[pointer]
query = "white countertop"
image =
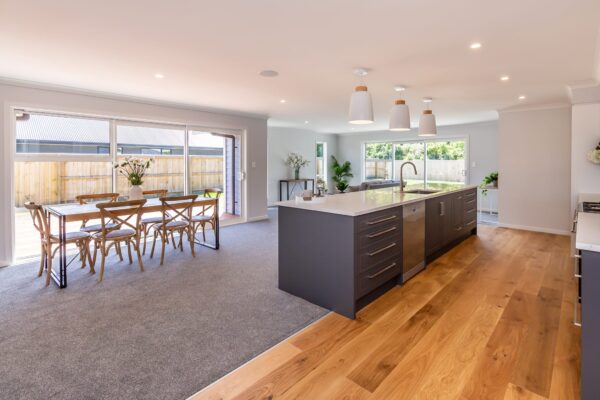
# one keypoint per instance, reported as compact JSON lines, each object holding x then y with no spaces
{"x":368,"y":201}
{"x":588,"y":231}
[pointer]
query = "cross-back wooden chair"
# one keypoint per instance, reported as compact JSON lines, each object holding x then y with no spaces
{"x":126,"y":215}
{"x":208,"y":213}
{"x":176,"y":217}
{"x":94,"y":228}
{"x":148,"y":222}
{"x":48,"y":240}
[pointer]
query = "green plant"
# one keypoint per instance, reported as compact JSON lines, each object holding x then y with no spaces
{"x":134,"y":169}
{"x":340,"y":174}
{"x":488,"y":180}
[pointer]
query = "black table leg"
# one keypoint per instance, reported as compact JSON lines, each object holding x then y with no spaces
{"x":61,"y":278}
{"x":216,"y":229}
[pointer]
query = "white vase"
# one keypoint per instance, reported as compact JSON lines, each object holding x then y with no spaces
{"x":136,"y":192}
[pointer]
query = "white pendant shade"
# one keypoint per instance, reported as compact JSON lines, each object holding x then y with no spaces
{"x":427,"y":125}
{"x":400,"y":117}
{"x":361,"y":106}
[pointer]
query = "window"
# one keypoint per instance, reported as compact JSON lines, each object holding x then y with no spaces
{"x":378,"y":161}
{"x":61,"y":156}
{"x":321,"y":161}
{"x":438,"y":162}
{"x":165,"y":145}
{"x":446,"y":162}
{"x":415,"y":153}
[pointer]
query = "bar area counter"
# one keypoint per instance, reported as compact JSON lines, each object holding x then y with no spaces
{"x":343,"y":251}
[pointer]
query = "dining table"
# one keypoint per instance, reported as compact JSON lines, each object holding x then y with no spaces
{"x":73,"y":212}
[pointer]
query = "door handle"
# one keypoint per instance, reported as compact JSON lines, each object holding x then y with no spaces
{"x":442,"y":209}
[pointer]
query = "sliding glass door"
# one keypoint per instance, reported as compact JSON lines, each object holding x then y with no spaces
{"x":446,"y":162}
{"x":59,"y":157}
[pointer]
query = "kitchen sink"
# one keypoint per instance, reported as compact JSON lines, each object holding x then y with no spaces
{"x":421,"y":191}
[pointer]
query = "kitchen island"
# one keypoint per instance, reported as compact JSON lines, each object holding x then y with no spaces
{"x":343,"y":251}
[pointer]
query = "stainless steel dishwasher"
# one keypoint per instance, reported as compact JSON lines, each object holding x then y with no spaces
{"x":413,"y":239}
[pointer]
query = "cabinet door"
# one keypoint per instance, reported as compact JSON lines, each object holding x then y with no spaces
{"x":436,"y":217}
{"x":456,"y":223}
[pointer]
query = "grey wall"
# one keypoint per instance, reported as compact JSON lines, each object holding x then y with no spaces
{"x":21,"y":95}
{"x":482,"y":149}
{"x":535,"y":169}
{"x":282,"y":141}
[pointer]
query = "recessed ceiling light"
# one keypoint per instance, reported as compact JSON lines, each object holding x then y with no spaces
{"x":427,"y":99}
{"x":504,"y":78}
{"x":159,"y":76}
{"x":522,"y":97}
{"x":283,"y":101}
{"x":399,"y":88}
{"x":475,"y":46}
{"x":269,"y":73}
{"x":306,"y":122}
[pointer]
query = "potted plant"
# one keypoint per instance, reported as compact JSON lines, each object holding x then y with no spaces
{"x":134,"y":169}
{"x":490,"y":179}
{"x":296,"y":161}
{"x":340,"y":174}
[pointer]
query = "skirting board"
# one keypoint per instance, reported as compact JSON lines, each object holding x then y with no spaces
{"x":258,"y":218}
{"x":535,"y":229}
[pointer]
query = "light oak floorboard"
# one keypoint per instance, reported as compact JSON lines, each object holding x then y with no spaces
{"x":490,"y":319}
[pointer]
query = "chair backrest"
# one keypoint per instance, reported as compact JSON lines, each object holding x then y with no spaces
{"x":155,"y":193}
{"x":177,"y":207}
{"x":122,"y":213}
{"x":213,"y":192}
{"x":39,"y":217}
{"x":86,"y":198}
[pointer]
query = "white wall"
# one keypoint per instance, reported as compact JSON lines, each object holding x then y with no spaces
{"x":534,"y":148}
{"x":20,"y":95}
{"x":585,"y":135}
{"x":482,"y":149}
{"x":281,"y":142}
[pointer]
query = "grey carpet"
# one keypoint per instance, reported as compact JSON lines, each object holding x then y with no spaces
{"x":161,"y":334}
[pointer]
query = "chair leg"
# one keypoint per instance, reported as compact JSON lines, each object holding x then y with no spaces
{"x":49,"y":271}
{"x":190,"y":233}
{"x":88,"y":250}
{"x":162,"y":252}
{"x":146,"y":230}
{"x":118,"y":249}
{"x":129,"y":251}
{"x":181,"y":240}
{"x":103,"y":251}
{"x":203,"y":231}
{"x":153,"y":244}
{"x":139,"y":256}
{"x":42,"y":259}
{"x":173,"y":239}
{"x":82,"y":253}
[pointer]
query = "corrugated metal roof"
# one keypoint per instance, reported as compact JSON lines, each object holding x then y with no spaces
{"x":50,"y":128}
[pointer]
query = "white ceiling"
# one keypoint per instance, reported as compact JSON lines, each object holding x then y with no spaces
{"x":212,"y":51}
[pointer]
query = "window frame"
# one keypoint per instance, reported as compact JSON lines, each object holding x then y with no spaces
{"x":414,"y":140}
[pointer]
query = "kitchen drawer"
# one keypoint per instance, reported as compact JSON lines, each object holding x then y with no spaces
{"x":382,"y":233}
{"x":375,"y":221}
{"x":470,"y":203}
{"x":379,"y":252}
{"x":468,"y":194}
{"x":377,"y":275}
{"x":470,"y":220}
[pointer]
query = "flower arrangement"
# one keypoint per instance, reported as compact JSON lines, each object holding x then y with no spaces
{"x":134,"y":169}
{"x":296,"y":161}
{"x":594,"y":155}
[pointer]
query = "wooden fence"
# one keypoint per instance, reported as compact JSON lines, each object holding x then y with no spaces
{"x":60,"y":181}
{"x":437,"y":170}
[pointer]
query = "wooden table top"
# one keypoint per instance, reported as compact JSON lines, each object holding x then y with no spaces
{"x":80,"y":212}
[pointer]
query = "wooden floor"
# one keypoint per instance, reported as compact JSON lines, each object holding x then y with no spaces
{"x":489,"y":320}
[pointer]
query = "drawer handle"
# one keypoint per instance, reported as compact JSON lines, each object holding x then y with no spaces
{"x":470,"y":201}
{"x":378,"y":221}
{"x":471,"y":222}
{"x":375,"y":275}
{"x":471,"y":210}
{"x":374,"y":235}
{"x":389,"y":246}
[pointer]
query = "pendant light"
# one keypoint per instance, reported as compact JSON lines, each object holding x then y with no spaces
{"x":399,"y":116}
{"x":427,"y":126}
{"x":361,"y":106}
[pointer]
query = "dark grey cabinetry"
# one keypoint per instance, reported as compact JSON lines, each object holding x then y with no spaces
{"x":449,"y":219}
{"x":590,"y":325}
